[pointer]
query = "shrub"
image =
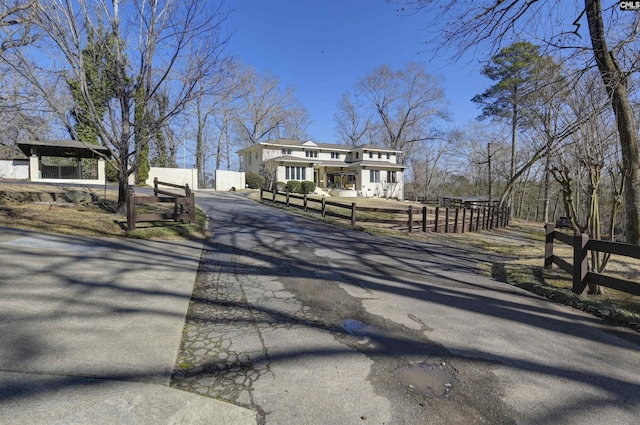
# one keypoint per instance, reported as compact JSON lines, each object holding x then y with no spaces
{"x":254,"y":181}
{"x":280,"y":186}
{"x":293,"y":186}
{"x":307,"y":187}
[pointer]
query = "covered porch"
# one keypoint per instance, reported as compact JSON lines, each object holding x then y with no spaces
{"x":73,"y":170}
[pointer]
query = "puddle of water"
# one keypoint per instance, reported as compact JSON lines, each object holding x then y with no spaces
{"x":352,"y":326}
{"x":431,"y":380}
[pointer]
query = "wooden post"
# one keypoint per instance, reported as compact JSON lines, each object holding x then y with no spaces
{"x":287,"y":198}
{"x":155,"y":186}
{"x":261,"y":193}
{"x":323,"y":210}
{"x":304,"y":202}
{"x":471,"y":219}
{"x":410,"y":222}
{"x":131,"y":209}
{"x":353,"y":213}
{"x":579,"y":262}
{"x":446,"y":220}
{"x":464,"y":219}
{"x":274,"y":195}
{"x":435,"y":225}
{"x":484,"y":218}
{"x":548,"y":245}
{"x":492,"y":210}
{"x":455,"y":220}
{"x":192,"y":207}
{"x":424,"y":219}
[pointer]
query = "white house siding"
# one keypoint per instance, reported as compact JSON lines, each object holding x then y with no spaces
{"x":292,"y":153}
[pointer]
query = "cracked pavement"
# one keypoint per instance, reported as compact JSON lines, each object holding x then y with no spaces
{"x":309,"y":323}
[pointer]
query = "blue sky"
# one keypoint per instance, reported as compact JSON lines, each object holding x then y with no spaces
{"x":322,"y":47}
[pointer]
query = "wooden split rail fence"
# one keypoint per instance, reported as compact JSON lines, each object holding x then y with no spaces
{"x":426,"y":219}
{"x":579,"y":269}
{"x":184,"y":206}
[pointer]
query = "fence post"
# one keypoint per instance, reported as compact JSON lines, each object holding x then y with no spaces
{"x":471,"y":219}
{"x":304,"y":202}
{"x":579,"y":262}
{"x":410,"y":222}
{"x":261,"y":192}
{"x":424,"y":219}
{"x":353,"y":213}
{"x":491,"y":217}
{"x":435,"y":226}
{"x":287,"y":198}
{"x":484,"y":218}
{"x":192,"y":207}
{"x":455,"y":220}
{"x":131,"y":209}
{"x":273,"y":199}
{"x":446,"y":220}
{"x":323,"y":211}
{"x":548,"y":245}
{"x":464,"y":219}
{"x":155,"y":186}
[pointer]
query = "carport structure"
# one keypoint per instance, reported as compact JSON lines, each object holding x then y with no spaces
{"x":39,"y":172}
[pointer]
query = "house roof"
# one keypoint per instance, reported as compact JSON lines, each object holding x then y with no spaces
{"x":300,"y":143}
{"x":373,"y":148}
{"x":296,"y":159}
{"x":62,"y":148}
{"x":376,"y":164}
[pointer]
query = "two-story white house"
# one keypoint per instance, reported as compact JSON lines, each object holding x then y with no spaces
{"x":371,"y":171}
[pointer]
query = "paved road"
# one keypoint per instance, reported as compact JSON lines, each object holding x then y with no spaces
{"x":311,"y":324}
{"x":90,"y":329}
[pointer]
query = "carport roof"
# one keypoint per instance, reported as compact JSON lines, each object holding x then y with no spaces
{"x":63,"y":149}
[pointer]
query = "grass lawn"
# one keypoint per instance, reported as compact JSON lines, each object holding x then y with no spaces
{"x":43,"y":208}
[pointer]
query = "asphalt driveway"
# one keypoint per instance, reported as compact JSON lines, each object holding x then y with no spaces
{"x":308,"y":323}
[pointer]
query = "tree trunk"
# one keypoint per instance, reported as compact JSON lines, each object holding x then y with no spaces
{"x":616,"y":85}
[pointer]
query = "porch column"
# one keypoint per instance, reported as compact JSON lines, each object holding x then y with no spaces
{"x":34,"y":168}
{"x":101,"y":174}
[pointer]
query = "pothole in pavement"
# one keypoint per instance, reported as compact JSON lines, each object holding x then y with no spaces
{"x":429,"y":380}
{"x":426,"y":379}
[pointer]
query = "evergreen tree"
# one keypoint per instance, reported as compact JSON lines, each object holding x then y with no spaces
{"x":99,"y":74}
{"x":514,"y":68}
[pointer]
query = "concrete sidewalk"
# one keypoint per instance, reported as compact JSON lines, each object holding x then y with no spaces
{"x":90,"y":330}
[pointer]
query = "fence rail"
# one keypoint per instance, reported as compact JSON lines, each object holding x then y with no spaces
{"x":426,"y":219}
{"x":579,"y":269}
{"x":184,"y":206}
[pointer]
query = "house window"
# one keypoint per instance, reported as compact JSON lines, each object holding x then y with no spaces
{"x":391,"y":177}
{"x":336,"y":155}
{"x":370,"y":154}
{"x":286,"y":151}
{"x":357,"y":154}
{"x":379,"y":155}
{"x":351,"y":178}
{"x":374,"y":176}
{"x":295,"y":173}
{"x":311,"y":154}
{"x":388,"y":155}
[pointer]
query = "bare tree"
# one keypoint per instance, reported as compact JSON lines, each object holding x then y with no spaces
{"x":353,"y":122}
{"x":407,"y":104}
{"x":265,"y":111}
{"x":16,"y":18}
{"x":466,"y":25}
{"x":171,"y":47}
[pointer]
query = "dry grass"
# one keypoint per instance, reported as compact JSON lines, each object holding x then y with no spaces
{"x":49,"y":213}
